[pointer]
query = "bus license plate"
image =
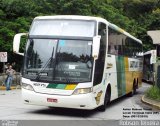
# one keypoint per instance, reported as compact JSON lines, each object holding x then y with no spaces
{"x":52,"y":100}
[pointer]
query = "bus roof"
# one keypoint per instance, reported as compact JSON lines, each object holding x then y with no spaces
{"x":78,"y":17}
{"x":113,"y":26}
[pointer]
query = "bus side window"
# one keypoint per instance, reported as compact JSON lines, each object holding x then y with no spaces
{"x":112,"y":49}
{"x":115,"y":42}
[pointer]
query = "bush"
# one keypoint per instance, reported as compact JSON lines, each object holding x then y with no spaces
{"x":153,"y":93}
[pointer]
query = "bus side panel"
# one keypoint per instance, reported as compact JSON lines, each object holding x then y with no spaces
{"x":138,"y":76}
{"x":140,"y":79}
{"x":128,"y":70}
{"x":111,"y":75}
{"x":129,"y":76}
{"x":133,"y":73}
{"x":124,"y":73}
{"x":120,"y":62}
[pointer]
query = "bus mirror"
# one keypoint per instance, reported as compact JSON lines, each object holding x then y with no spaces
{"x":16,"y":42}
{"x":96,"y":46}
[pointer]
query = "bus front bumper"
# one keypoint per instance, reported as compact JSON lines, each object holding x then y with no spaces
{"x":81,"y":101}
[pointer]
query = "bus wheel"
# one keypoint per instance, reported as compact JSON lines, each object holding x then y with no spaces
{"x":50,"y":107}
{"x":133,"y":89}
{"x":106,"y":100}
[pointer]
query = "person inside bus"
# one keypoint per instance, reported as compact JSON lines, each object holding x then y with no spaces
{"x":113,"y":50}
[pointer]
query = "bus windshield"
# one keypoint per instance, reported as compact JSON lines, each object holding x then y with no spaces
{"x":57,"y":60}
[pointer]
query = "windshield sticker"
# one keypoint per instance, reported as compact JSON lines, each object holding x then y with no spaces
{"x":89,"y":43}
{"x":55,"y":40}
{"x":72,"y":66}
{"x":61,"y":42}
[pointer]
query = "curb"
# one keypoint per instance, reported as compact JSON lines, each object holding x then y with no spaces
{"x":150,"y":102}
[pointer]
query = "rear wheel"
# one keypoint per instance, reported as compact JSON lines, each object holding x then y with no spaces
{"x":133,"y":89}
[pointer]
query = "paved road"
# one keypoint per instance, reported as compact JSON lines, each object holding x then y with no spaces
{"x":12,"y":108}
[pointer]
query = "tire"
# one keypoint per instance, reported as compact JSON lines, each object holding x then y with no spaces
{"x":106,"y":101}
{"x":134,"y":88}
{"x":50,"y":107}
{"x":133,"y":92}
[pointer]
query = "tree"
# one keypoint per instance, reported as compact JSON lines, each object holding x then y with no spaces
{"x":134,"y":16}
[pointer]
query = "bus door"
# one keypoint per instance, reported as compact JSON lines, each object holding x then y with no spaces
{"x":98,"y":87}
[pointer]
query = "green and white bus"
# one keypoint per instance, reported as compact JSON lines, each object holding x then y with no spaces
{"x":78,"y":62}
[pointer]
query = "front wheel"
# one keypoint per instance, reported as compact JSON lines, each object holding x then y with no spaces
{"x":106,"y":101}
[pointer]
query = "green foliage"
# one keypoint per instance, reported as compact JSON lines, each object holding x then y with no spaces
{"x":153,"y":93}
{"x":134,"y":16}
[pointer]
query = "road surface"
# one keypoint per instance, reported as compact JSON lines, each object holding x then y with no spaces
{"x":12,"y":108}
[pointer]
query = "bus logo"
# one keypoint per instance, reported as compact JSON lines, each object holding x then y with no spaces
{"x":40,"y":84}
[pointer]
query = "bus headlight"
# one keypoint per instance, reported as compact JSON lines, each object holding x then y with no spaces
{"x":82,"y":91}
{"x":27,"y":87}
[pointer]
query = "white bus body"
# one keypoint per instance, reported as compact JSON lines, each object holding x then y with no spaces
{"x":78,"y":62}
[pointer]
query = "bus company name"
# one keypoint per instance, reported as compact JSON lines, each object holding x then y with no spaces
{"x":40,"y":84}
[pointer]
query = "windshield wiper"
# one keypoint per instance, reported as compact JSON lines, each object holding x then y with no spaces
{"x":45,"y":66}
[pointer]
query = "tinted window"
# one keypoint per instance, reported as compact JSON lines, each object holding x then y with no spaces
{"x":120,"y":44}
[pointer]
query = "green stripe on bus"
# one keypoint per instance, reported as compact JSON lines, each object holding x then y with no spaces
{"x":56,"y":86}
{"x":61,"y":86}
{"x":121,"y":83}
{"x":52,"y":85}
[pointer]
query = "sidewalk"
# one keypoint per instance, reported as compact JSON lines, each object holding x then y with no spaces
{"x":150,"y":102}
{"x":12,"y":87}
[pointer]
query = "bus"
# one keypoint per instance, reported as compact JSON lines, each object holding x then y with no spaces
{"x":79,"y":62}
{"x":148,"y":66}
